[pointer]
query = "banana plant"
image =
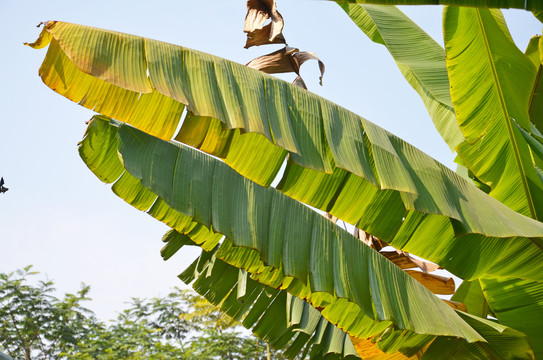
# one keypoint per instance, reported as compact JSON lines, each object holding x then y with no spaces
{"x":338,"y":162}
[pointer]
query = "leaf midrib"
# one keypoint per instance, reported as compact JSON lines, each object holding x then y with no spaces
{"x":514,"y":143}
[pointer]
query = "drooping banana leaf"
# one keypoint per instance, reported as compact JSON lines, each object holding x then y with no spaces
{"x":284,"y":321}
{"x":170,"y":239}
{"x":419,"y":57}
{"x":502,"y":342}
{"x":317,"y":132}
{"x":491,"y":85}
{"x":338,"y":310}
{"x":514,"y":4}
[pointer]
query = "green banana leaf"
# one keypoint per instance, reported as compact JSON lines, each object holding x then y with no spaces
{"x":519,"y":306}
{"x":419,"y":57}
{"x":416,"y":203}
{"x":501,"y":342}
{"x":535,"y":52}
{"x":96,"y":150}
{"x":284,"y":321}
{"x":379,"y":26}
{"x":491,"y":84}
{"x":471,"y":294}
{"x":531,"y":5}
{"x":317,"y":133}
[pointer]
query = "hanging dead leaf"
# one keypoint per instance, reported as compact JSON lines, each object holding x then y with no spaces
{"x":258,"y":12}
{"x":425,"y":266}
{"x":285,"y":60}
{"x":299,"y":82}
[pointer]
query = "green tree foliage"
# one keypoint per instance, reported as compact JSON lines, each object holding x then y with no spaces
{"x":37,"y":325}
{"x":181,"y":325}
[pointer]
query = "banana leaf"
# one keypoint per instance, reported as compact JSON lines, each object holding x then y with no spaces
{"x":336,"y":308}
{"x":316,"y":132}
{"x":535,"y":52}
{"x":491,"y":88}
{"x":501,"y":342}
{"x":531,"y":5}
{"x":419,"y":57}
{"x":410,"y":192}
{"x":282,"y":320}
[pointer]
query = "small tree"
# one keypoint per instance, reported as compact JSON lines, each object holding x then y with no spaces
{"x":37,"y":325}
{"x":182,"y":325}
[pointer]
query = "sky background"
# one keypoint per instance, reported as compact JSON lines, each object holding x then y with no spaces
{"x":60,"y":218}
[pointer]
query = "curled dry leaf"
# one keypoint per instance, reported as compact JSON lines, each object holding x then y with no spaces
{"x":456,"y":305}
{"x":425,"y":266}
{"x":286,"y":60}
{"x":302,"y":56}
{"x":258,"y":12}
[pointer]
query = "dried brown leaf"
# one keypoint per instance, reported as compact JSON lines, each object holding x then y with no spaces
{"x":425,"y":266}
{"x":437,"y":284}
{"x":279,"y":61}
{"x":299,"y":82}
{"x":456,"y":305}
{"x":399,"y":259}
{"x":258,"y":12}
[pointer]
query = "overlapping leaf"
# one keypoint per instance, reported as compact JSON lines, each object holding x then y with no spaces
{"x":502,"y":342}
{"x":419,"y":197}
{"x":517,"y":303}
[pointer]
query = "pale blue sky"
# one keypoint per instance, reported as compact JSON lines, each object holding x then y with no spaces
{"x":60,"y":218}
